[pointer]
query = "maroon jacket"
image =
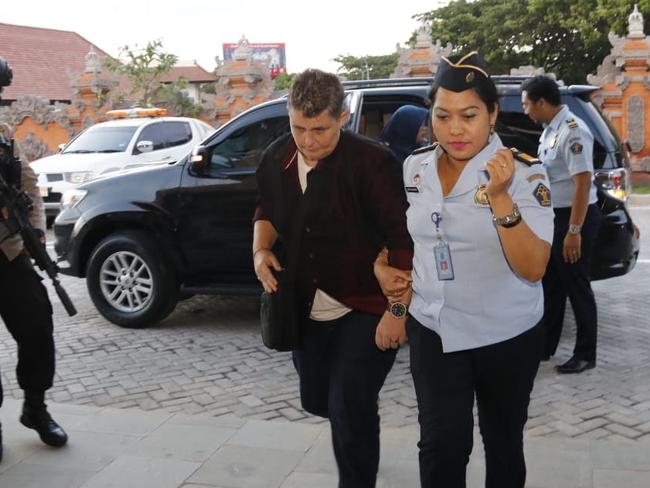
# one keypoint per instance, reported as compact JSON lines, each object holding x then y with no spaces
{"x":361,"y":209}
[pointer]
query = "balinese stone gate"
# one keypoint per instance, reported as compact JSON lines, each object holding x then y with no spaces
{"x":624,"y":79}
{"x":40,"y":127}
{"x":242,"y":83}
{"x":423,"y":59}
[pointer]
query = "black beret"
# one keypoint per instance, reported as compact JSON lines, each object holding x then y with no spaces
{"x":469,"y":71}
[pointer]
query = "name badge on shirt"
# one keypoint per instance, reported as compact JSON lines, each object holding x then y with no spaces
{"x":444,"y":267}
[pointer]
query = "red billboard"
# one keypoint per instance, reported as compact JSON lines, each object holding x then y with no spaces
{"x":273,"y":54}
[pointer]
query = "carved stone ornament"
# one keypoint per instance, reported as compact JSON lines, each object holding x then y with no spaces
{"x":93,"y":63}
{"x":423,"y":37}
{"x":38,"y":109}
{"x":635,"y":24}
{"x":243,"y":52}
{"x":31,"y":148}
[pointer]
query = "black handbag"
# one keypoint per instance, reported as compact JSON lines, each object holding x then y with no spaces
{"x":280,"y":313}
{"x":280,"y":317}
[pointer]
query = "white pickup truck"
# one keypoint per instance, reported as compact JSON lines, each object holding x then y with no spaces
{"x":133,"y":138}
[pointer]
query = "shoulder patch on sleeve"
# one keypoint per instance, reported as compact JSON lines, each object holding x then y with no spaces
{"x":576,"y":148}
{"x":572,"y":123}
{"x":424,"y":149}
{"x":542,"y":194}
{"x":527,"y":159}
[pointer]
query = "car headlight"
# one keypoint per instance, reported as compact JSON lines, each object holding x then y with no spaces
{"x":77,"y":177}
{"x":71,"y":198}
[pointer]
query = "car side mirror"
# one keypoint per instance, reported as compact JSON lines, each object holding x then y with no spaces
{"x":199,"y":160}
{"x":144,"y":146}
{"x":627,"y":146}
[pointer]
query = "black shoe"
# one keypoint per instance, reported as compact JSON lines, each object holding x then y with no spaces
{"x":49,"y":431}
{"x":575,"y":365}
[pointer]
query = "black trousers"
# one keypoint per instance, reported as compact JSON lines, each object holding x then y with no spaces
{"x":26,"y":311}
{"x":341,"y":372}
{"x":501,"y":376}
{"x":564,"y":280}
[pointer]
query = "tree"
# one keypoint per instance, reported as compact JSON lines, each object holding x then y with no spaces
{"x":144,"y":69}
{"x":366,"y":67}
{"x":566,"y":37}
{"x":283,"y":81}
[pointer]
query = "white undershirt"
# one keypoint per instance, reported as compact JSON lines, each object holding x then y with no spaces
{"x":325,"y":307}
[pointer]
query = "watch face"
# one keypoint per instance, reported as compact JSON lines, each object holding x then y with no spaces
{"x":398,"y":309}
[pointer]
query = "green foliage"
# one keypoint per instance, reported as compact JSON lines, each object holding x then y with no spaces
{"x":566,"y":37}
{"x":283,"y":81}
{"x":144,"y":69}
{"x":366,"y":67}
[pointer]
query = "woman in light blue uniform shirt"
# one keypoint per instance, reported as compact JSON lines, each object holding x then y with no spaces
{"x":481,"y":221}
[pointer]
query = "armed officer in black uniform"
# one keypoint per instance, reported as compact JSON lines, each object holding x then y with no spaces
{"x":24,"y":304}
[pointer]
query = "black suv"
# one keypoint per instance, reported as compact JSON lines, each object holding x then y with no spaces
{"x":145,"y":238}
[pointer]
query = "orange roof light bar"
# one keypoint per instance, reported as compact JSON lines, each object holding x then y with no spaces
{"x":137,"y":112}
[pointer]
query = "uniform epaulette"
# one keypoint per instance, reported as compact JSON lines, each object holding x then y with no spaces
{"x":424,"y":149}
{"x":527,"y":159}
{"x":572,"y":123}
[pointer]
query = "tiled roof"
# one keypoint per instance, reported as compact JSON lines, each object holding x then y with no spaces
{"x":193,"y":74}
{"x":42,"y":59}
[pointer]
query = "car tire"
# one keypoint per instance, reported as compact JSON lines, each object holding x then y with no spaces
{"x":129,"y":280}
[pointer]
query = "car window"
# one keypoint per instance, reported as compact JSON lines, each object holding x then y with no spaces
{"x":242,"y":148}
{"x":377,"y":110}
{"x":176,"y":133}
{"x":516,"y":129}
{"x":102,"y":139}
{"x":154,"y":133}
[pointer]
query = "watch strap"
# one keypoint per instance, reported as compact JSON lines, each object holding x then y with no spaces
{"x":509,"y":220}
{"x":575,"y":229}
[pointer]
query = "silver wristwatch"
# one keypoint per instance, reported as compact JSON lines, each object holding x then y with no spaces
{"x":575,"y":229}
{"x":509,"y":220}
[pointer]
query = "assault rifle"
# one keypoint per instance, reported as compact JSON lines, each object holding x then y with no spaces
{"x":16,"y":205}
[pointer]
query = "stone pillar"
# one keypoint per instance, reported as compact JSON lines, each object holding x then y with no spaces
{"x":242,"y":82}
{"x":423,"y":59}
{"x":624,"y":96}
{"x":88,"y":105}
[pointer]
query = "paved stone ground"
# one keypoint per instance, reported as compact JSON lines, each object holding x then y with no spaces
{"x":207,"y":357}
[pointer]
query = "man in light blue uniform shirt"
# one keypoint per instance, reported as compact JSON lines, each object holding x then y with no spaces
{"x":566,"y":150}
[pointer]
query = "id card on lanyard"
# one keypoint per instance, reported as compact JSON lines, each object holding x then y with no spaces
{"x":441,"y":252}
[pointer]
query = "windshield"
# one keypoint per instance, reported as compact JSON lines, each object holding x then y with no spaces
{"x":102,"y":139}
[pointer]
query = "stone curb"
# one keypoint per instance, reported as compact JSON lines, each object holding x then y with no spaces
{"x":639,"y":200}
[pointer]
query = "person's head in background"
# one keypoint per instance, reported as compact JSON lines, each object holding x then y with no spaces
{"x":405,"y":131}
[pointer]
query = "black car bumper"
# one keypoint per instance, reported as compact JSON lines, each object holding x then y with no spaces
{"x":617,"y":245}
{"x":65,"y":249}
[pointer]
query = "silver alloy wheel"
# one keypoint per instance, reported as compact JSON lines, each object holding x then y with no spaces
{"x":126,"y":281}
